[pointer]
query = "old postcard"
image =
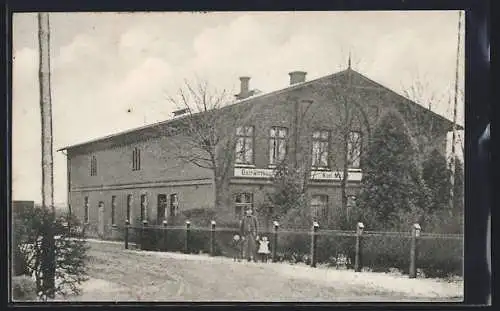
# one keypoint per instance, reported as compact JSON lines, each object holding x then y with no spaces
{"x":238,"y":156}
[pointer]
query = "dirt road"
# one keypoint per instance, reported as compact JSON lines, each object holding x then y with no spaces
{"x":129,"y":275}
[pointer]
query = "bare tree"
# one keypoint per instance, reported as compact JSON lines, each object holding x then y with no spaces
{"x":205,"y":135}
{"x":351,"y":128}
{"x":349,"y":123}
{"x":420,"y":90}
{"x":425,"y":126}
{"x":353,"y":122}
{"x":292,"y":174}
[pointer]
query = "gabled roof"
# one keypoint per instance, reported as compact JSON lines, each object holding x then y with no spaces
{"x":262,"y":95}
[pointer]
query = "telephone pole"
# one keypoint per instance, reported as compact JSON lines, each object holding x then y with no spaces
{"x":454,"y":134}
{"x":48,"y":243}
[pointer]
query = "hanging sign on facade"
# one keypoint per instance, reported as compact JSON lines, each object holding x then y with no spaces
{"x":253,"y":172}
{"x":335,"y":175}
{"x":315,"y":175}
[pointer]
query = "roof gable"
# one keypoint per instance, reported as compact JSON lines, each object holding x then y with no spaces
{"x":363,"y":81}
{"x":339,"y":78}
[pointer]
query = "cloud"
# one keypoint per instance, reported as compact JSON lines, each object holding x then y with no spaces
{"x":25,"y":124}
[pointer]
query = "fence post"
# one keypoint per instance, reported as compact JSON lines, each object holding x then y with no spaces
{"x":212,"y":238}
{"x":186,"y":245}
{"x":127,"y":224}
{"x":275,"y":240}
{"x":144,"y":235}
{"x":357,"y":258}
{"x":415,"y":233}
{"x":313,"y":244}
{"x":164,"y":244}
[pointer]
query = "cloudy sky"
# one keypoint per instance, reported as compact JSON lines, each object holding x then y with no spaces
{"x":104,"y":64}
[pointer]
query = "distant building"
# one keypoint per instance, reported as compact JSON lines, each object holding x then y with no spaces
{"x":16,"y":205}
{"x":133,"y":174}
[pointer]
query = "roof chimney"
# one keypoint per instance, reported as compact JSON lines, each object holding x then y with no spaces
{"x":244,"y":88}
{"x":180,"y":112}
{"x":297,"y":77}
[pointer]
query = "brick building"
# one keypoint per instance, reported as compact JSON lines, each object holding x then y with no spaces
{"x":134,"y":175}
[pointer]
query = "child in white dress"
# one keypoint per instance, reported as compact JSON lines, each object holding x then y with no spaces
{"x":263,"y":249}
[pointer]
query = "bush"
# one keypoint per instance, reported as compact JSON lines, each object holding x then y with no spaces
{"x":293,"y":246}
{"x":199,"y":238}
{"x":381,"y":253}
{"x":20,"y":261}
{"x":30,"y":231}
{"x":23,"y":288}
{"x":200,"y":217}
{"x":439,"y":257}
{"x":331,"y":248}
{"x":224,"y":243}
{"x":436,"y":257}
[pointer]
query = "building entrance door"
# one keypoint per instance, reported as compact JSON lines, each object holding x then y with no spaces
{"x":101,"y":219}
{"x":162,"y":204}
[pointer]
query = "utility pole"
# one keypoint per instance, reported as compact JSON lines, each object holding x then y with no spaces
{"x":48,"y":243}
{"x":454,"y":134}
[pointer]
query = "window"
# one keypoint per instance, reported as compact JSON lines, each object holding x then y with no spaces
{"x":113,"y":210}
{"x":244,"y":145}
{"x":320,"y":148}
{"x":354,"y":149}
{"x":136,"y":159}
{"x":242,"y":202}
{"x":93,"y":166}
{"x":144,"y":206}
{"x":319,"y":206}
{"x":129,"y":206}
{"x":277,"y":144}
{"x":174,"y":204}
{"x":86,"y":210}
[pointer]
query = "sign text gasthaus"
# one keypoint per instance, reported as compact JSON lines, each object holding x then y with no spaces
{"x":315,"y":175}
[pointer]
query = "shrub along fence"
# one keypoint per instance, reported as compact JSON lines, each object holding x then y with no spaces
{"x":436,"y":255}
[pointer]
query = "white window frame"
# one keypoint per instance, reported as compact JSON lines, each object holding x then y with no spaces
{"x":354,"y":144}
{"x":278,"y":146}
{"x":242,"y":201}
{"x":245,"y":145}
{"x":321,"y":149}
{"x":173,"y":207}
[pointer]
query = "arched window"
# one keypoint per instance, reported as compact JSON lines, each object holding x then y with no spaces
{"x":93,"y":166}
{"x":136,"y":159}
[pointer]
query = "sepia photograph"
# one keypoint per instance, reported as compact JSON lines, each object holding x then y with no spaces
{"x":238,"y":156}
